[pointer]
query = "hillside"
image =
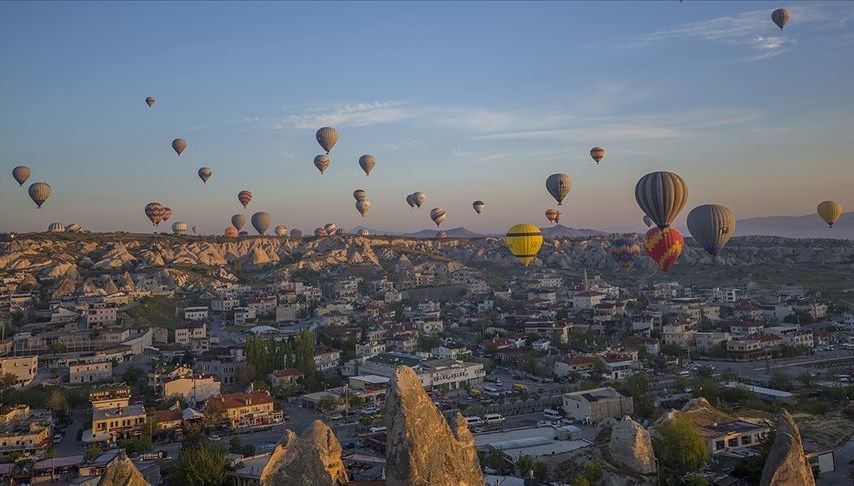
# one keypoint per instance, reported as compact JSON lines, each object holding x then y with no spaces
{"x":807,"y":226}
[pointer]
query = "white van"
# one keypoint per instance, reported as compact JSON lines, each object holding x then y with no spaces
{"x":375,"y":430}
{"x":474,"y":421}
{"x":493,"y":418}
{"x":550,"y":414}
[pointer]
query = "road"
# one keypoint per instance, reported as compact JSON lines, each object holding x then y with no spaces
{"x":70,"y":445}
{"x":842,"y":476}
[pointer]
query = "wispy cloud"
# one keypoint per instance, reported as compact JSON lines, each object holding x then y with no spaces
{"x":487,"y":158}
{"x":354,"y":115}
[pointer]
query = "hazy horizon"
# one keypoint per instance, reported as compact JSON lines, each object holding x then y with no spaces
{"x":462,"y":101}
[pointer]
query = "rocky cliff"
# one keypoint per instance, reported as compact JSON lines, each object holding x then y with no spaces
{"x":314,"y":459}
{"x":630,"y":446}
{"x":122,"y":472}
{"x":786,"y":463}
{"x":421,"y":448}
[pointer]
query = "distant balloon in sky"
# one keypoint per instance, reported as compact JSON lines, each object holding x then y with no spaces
{"x":711,"y":225}
{"x":56,"y":228}
{"x":330,"y":229}
{"x":244,"y":197}
{"x":154,"y":212}
{"x":367,"y":163}
{"x":319,"y":232}
{"x":281,"y":231}
{"x":410,"y":199}
{"x":261,"y":221}
{"x":829,"y":211}
{"x":364,"y":232}
{"x":558,"y":186}
{"x":167,"y":213}
{"x":478,"y":206}
{"x":664,"y":245}
{"x":73,"y":228}
{"x":295,"y":233}
{"x":551,"y":215}
{"x":322,"y":162}
{"x":661,"y":195}
{"x":231,"y":231}
{"x":419,"y":198}
{"x":437,"y":215}
{"x":238,"y":220}
{"x":243,"y":233}
{"x":360,"y":195}
{"x":598,"y":153}
{"x":363,"y":205}
{"x":21,"y":173}
{"x":195,"y":230}
{"x":524,"y":242}
{"x":624,"y":252}
{"x":150,"y":101}
{"x":205,"y":174}
{"x":178,"y":145}
{"x":39,"y":192}
{"x":557,"y":218}
{"x":327,"y":137}
{"x":780,"y":17}
{"x":179,"y":228}
{"x":647,"y":221}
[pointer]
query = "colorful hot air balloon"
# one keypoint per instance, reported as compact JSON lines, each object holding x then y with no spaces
{"x":150,"y":101}
{"x":238,"y":220}
{"x":829,"y":211}
{"x":73,"y":228}
{"x":661,"y":195}
{"x":419,"y":198}
{"x":167,"y":213}
{"x":322,"y":162}
{"x":39,"y":192}
{"x":205,"y":174}
{"x":524,"y":242}
{"x":244,"y":197}
{"x":178,"y":145}
{"x":363,"y":205}
{"x":364,"y":232}
{"x":410,"y":200}
{"x":330,"y":229}
{"x":281,"y":231}
{"x":360,"y":195}
{"x":711,"y":225}
{"x":598,"y":153}
{"x":21,"y":173}
{"x":624,"y":252}
{"x":295,"y":233}
{"x":231,"y":232}
{"x":319,"y":232}
{"x":663,"y":245}
{"x":478,"y":206}
{"x":780,"y":17}
{"x":179,"y":228}
{"x":56,"y":228}
{"x":647,"y":221}
{"x":195,"y":230}
{"x":154,"y":211}
{"x":327,"y":137}
{"x":437,"y":215}
{"x":367,"y":163}
{"x":557,"y":218}
{"x":558,"y":186}
{"x":551,"y":215}
{"x":261,"y":221}
{"x":441,"y":235}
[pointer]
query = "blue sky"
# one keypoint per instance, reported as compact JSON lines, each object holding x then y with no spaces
{"x":462,"y":101}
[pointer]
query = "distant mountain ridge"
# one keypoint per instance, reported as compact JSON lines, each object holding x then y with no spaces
{"x":557,"y":231}
{"x":807,"y":226}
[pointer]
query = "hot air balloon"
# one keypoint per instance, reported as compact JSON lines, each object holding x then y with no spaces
{"x":150,"y":101}
{"x":557,"y":218}
{"x":367,"y":163}
{"x":205,"y":174}
{"x":437,"y":215}
{"x":39,"y":192}
{"x":410,"y":199}
{"x":167,"y":213}
{"x":56,"y":228}
{"x":154,"y":211}
{"x":295,"y":233}
{"x":551,"y":215}
{"x":598,"y":153}
{"x":244,"y":197}
{"x":441,"y":235}
{"x":711,"y":225}
{"x":195,"y":230}
{"x":330,"y":229}
{"x":524,"y":242}
{"x":21,"y":173}
{"x":179,"y":228}
{"x":319,"y":232}
{"x":829,"y":211}
{"x":73,"y":228}
{"x":364,"y":232}
{"x":624,"y":252}
{"x":360,"y":195}
{"x":327,"y":137}
{"x":231,"y":231}
{"x":661,"y":195}
{"x":178,"y":145}
{"x":261,"y":221}
{"x":243,"y":233}
{"x":647,"y":221}
{"x":419,"y":198}
{"x":780,"y":17}
{"x":558,"y":186}
{"x":281,"y":231}
{"x":363,"y":205}
{"x":321,"y":162}
{"x":478,"y":206}
{"x":663,"y":245}
{"x":238,"y":220}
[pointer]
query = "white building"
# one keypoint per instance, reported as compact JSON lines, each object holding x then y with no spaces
{"x":244,"y":316}
{"x":597,"y":404}
{"x":22,"y":367}
{"x":587,"y":300}
{"x":224,"y":304}
{"x":85,"y":372}
{"x":186,"y":333}
{"x":195,"y":313}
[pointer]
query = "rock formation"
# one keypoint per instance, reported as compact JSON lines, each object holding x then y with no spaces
{"x":421,"y":449}
{"x":122,"y":472}
{"x":311,"y":460}
{"x":630,"y":446}
{"x":786,"y":463}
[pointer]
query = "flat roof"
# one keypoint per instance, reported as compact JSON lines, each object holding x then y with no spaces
{"x":395,"y":359}
{"x":530,"y":441}
{"x":759,"y":390}
{"x":735,"y":426}
{"x":375,"y":379}
{"x":128,"y":411}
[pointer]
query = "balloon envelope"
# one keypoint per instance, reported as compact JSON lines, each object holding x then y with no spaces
{"x":39,"y":192}
{"x":598,"y":153}
{"x":154,"y":212}
{"x":295,"y":233}
{"x":551,"y":215}
{"x":231,"y":231}
{"x":367,"y":163}
{"x":410,"y":200}
{"x":178,"y":145}
{"x":419,"y":198}
{"x":179,"y":228}
{"x":244,"y":197}
{"x":261,"y":221}
{"x":238,"y":220}
{"x":281,"y":230}
{"x":205,"y":174}
{"x":437,"y":215}
{"x":780,"y":17}
{"x":166,"y":213}
{"x":647,"y":221}
{"x":624,"y":252}
{"x":558,"y":186}
{"x":661,"y":195}
{"x":150,"y":101}
{"x":319,"y":232}
{"x":711,"y":225}
{"x":56,"y":228}
{"x":829,"y":211}
{"x":21,"y":173}
{"x":321,"y":162}
{"x":327,"y":137}
{"x":195,"y":230}
{"x":663,"y":245}
{"x":360,"y":195}
{"x":524,"y":242}
{"x":73,"y":228}
{"x":363,"y":205}
{"x":478,"y":206}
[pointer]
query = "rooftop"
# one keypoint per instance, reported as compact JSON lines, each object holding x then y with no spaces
{"x":532,"y":441}
{"x":395,"y":359}
{"x":120,"y":412}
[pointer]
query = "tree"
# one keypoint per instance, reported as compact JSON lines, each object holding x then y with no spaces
{"x":806,"y":378}
{"x":541,"y":471}
{"x":205,"y":465}
{"x":780,"y":381}
{"x":133,"y":375}
{"x":696,"y":480}
{"x":524,"y":464}
{"x":56,"y":402}
{"x":327,"y":404}
{"x":680,"y":448}
{"x":593,"y":472}
{"x":93,"y":452}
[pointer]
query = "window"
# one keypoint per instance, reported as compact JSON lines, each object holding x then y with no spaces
{"x":732,"y":442}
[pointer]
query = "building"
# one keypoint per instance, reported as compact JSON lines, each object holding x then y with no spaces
{"x":746,"y":328}
{"x":287,"y":379}
{"x":225,"y":366}
{"x":194,"y":388}
{"x":326,"y":358}
{"x":224,"y":304}
{"x":245,"y":410}
{"x":564,"y":365}
{"x":244,"y":316}
{"x":432,"y":372}
{"x":588,"y":299}
{"x":185,"y":334}
{"x":22,"y":367}
{"x":745,"y":349}
{"x":195,"y":313}
{"x":793,"y":336}
{"x":113,"y":418}
{"x":597,"y":404}
{"x":99,"y":313}
{"x":733,"y":436}
{"x":705,"y":341}
{"x":24,"y":430}
{"x":90,"y":372}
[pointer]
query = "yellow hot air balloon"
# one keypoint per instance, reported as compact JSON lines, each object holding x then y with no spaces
{"x":830,"y":211}
{"x":524,"y":242}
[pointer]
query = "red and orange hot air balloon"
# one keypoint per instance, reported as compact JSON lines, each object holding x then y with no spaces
{"x":244,"y":197}
{"x":664,"y":246}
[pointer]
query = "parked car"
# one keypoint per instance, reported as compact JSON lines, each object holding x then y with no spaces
{"x":57,"y":438}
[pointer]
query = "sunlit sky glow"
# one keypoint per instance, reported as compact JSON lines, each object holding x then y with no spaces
{"x":462,"y":101}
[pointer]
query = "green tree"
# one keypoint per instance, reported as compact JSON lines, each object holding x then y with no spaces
{"x":680,"y":447}
{"x":696,"y":480}
{"x":205,"y":465}
{"x":524,"y":464}
{"x":541,"y":471}
{"x":56,"y":402}
{"x":579,"y":481}
{"x":93,"y":452}
{"x":593,"y":472}
{"x":133,"y":375}
{"x":327,"y":404}
{"x":136,"y":445}
{"x":304,"y":354}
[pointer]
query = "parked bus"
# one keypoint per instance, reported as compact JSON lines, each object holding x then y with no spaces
{"x":493,"y":418}
{"x":474,"y":421}
{"x":551,"y":414}
{"x":520,"y":388}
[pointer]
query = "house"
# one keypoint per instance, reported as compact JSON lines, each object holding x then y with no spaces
{"x":732,"y":436}
{"x":565,"y":365}
{"x":450,"y":352}
{"x":224,"y":364}
{"x":744,"y":349}
{"x":22,"y":367}
{"x":167,"y":419}
{"x":286,"y":379}
{"x":620,"y":366}
{"x":224,"y":304}
{"x":369,"y":349}
{"x":23,"y":430}
{"x":326,"y":358}
{"x":597,"y":404}
{"x":746,"y":328}
{"x":244,"y":316}
{"x":99,"y":313}
{"x":113,"y":418}
{"x":195,"y":313}
{"x":186,"y":333}
{"x":193,"y":388}
{"x":587,"y":299}
{"x":90,"y":372}
{"x":245,"y":410}
{"x":705,"y":341}
{"x":793,"y":335}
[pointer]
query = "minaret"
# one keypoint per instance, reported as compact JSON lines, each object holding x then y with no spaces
{"x":586,"y":283}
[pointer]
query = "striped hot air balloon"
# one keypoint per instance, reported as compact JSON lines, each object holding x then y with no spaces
{"x":664,"y":246}
{"x":261,"y":221}
{"x":327,"y":137}
{"x":363,"y":206}
{"x":179,"y":228}
{"x":39,"y":192}
{"x":167,"y":213}
{"x":711,"y":225}
{"x":364,"y":232}
{"x":73,"y":228}
{"x":624,"y":252}
{"x":360,"y":195}
{"x":598,"y":153}
{"x":321,"y":162}
{"x":367,"y":163}
{"x":438,"y":215}
{"x":56,"y":228}
{"x":238,"y":220}
{"x":245,"y":197}
{"x":319,"y":232}
{"x":661,"y":195}
{"x":330,"y":229}
{"x":524,"y":242}
{"x":154,"y":212}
